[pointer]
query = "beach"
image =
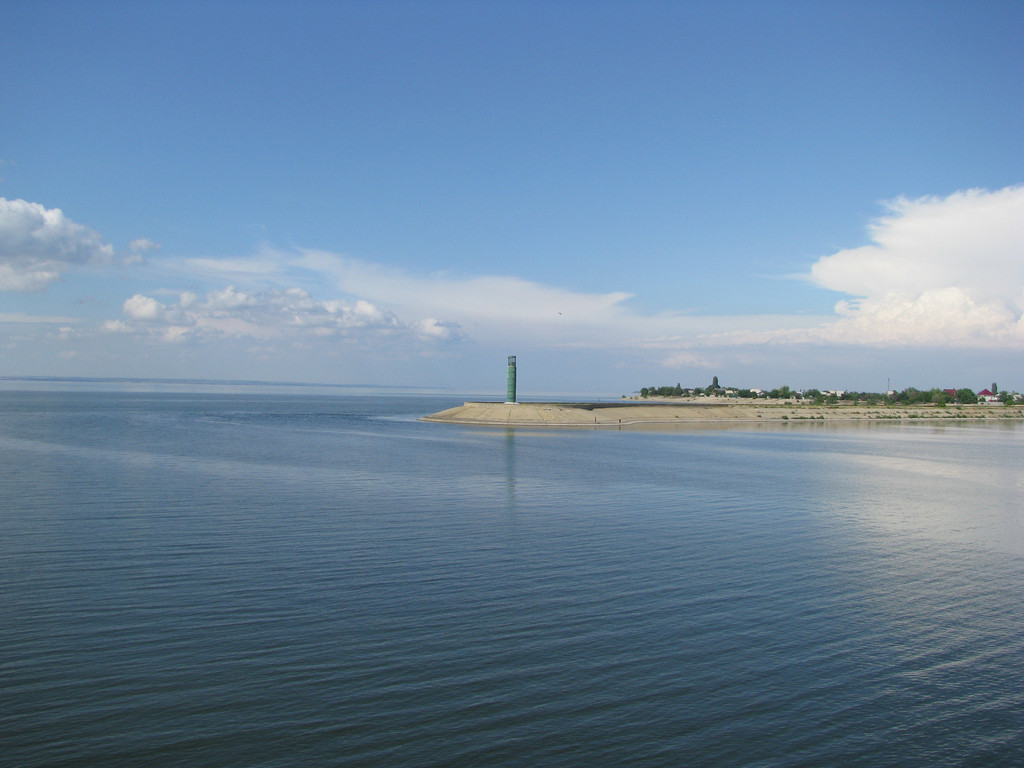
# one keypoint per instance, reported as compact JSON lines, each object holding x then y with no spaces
{"x":628,"y":413}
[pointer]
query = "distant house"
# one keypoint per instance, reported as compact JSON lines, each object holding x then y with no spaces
{"x":987,"y":396}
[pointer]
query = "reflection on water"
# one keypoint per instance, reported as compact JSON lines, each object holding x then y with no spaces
{"x":510,"y":467}
{"x":931,"y":483}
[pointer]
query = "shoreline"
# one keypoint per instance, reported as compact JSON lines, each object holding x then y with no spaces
{"x":641,"y":414}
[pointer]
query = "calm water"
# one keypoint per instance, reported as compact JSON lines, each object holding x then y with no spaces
{"x":283,"y":580}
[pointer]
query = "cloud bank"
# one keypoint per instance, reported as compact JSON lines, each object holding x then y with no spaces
{"x":939,"y":272}
{"x":289,"y":313}
{"x":485,"y":305}
{"x":38,"y":245}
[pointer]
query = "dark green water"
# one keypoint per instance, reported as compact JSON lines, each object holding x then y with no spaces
{"x":247,"y":580}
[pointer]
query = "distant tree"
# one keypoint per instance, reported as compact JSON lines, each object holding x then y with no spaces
{"x":644,"y":391}
{"x":966,"y":397}
{"x":912,"y":396}
{"x":1006,"y":398}
{"x":714,"y":382}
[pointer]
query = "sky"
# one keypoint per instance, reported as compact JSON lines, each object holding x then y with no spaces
{"x":812,"y":194}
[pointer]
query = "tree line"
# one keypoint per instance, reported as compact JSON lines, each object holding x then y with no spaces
{"x":908,"y":396}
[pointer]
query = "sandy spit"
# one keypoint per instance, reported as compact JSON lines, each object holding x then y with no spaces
{"x":700,"y":414}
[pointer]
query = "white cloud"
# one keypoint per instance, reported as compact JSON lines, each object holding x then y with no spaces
{"x":142,"y":244}
{"x":230,"y":312}
{"x":138,"y":247}
{"x":231,"y":299}
{"x":941,"y":271}
{"x":143,"y":308}
{"x":430,"y":328}
{"x":489,"y":300}
{"x":37,"y":245}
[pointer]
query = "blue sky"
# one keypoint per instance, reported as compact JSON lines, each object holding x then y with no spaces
{"x":622,"y":194}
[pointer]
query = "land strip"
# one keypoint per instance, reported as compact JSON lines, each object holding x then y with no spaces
{"x":631,"y":414}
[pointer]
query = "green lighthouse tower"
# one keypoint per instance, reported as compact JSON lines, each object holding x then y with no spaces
{"x":510,"y":392}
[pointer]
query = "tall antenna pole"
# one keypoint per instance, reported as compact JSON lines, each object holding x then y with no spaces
{"x":510,"y":392}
